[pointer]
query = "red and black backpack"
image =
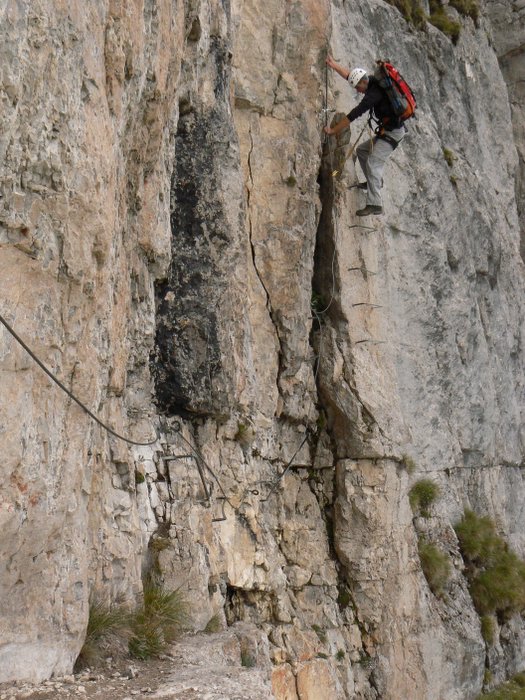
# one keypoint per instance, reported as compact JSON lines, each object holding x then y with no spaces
{"x":397,"y":89}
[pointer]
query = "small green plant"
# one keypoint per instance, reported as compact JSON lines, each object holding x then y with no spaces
{"x":487,"y":677}
{"x":213,"y":625}
{"x":440,"y":20}
{"x":409,"y":464}
{"x":467,"y":8}
{"x":411,"y":10}
{"x":242,"y":430}
{"x":291,"y":181}
{"x":343,"y":598}
{"x":320,"y":633}
{"x":435,"y":565}
{"x":496,"y":575}
{"x":321,"y":655}
{"x":340,"y":655}
{"x":317,"y":303}
{"x":454,"y":180}
{"x":365,"y":661}
{"x":105,"y":626}
{"x":160,"y":619}
{"x":159,"y":544}
{"x":321,"y":421}
{"x":488,"y":630}
{"x":422,"y":495}
{"x":245,"y":434}
{"x":139,"y":477}
{"x":247,"y":659}
{"x":449,"y":157}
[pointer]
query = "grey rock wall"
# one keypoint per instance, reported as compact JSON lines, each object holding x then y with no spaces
{"x":168,"y":203}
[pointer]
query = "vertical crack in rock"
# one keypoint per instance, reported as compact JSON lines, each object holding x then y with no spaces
{"x":250,"y":231}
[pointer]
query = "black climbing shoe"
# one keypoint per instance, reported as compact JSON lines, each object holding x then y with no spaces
{"x":370,"y":209}
{"x":359,"y":186}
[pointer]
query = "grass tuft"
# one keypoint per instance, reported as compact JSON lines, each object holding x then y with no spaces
{"x":320,"y":632}
{"x":105,"y":626}
{"x":160,"y":619}
{"x":440,"y":19}
{"x":412,"y":11}
{"x":421,"y":496}
{"x":409,"y":464}
{"x":496,"y":575}
{"x":512,"y":690}
{"x":214,"y":624}
{"x":449,"y":157}
{"x":435,"y":565}
{"x":488,"y":629}
{"x":467,"y":8}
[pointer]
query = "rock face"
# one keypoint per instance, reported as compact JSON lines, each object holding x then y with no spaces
{"x":191,"y":266}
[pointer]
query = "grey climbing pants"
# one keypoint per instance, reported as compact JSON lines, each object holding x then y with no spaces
{"x":373,"y":155}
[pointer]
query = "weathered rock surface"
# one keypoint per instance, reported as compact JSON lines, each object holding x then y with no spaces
{"x":167,"y":216}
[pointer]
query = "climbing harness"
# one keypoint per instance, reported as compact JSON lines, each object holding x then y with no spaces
{"x":70,"y":393}
{"x":389,"y":139}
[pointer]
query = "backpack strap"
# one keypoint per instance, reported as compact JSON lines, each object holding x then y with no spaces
{"x":388,"y":139}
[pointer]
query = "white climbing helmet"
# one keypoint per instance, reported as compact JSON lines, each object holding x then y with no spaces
{"x":356,"y":75}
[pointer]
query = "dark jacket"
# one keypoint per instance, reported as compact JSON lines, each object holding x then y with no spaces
{"x":376,"y":99}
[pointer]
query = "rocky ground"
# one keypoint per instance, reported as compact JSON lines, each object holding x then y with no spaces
{"x":201,"y":667}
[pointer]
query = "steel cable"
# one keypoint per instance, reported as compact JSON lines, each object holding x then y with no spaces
{"x":70,"y":393}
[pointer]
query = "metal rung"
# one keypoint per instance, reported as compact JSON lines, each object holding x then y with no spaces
{"x":220,"y":520}
{"x":365,"y":303}
{"x":361,"y":269}
{"x":368,"y":228}
{"x":169,"y":458}
{"x":371,"y":341}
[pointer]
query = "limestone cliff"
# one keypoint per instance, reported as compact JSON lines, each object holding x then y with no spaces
{"x":175,"y":249}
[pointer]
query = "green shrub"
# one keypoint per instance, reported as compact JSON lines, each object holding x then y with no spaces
{"x":105,"y":625}
{"x":496,"y":575}
{"x":340,"y":655}
{"x":439,"y":18}
{"x":435,"y":565}
{"x":421,"y":496}
{"x":160,"y":619}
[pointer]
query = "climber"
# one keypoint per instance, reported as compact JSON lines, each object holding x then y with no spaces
{"x":374,"y":153}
